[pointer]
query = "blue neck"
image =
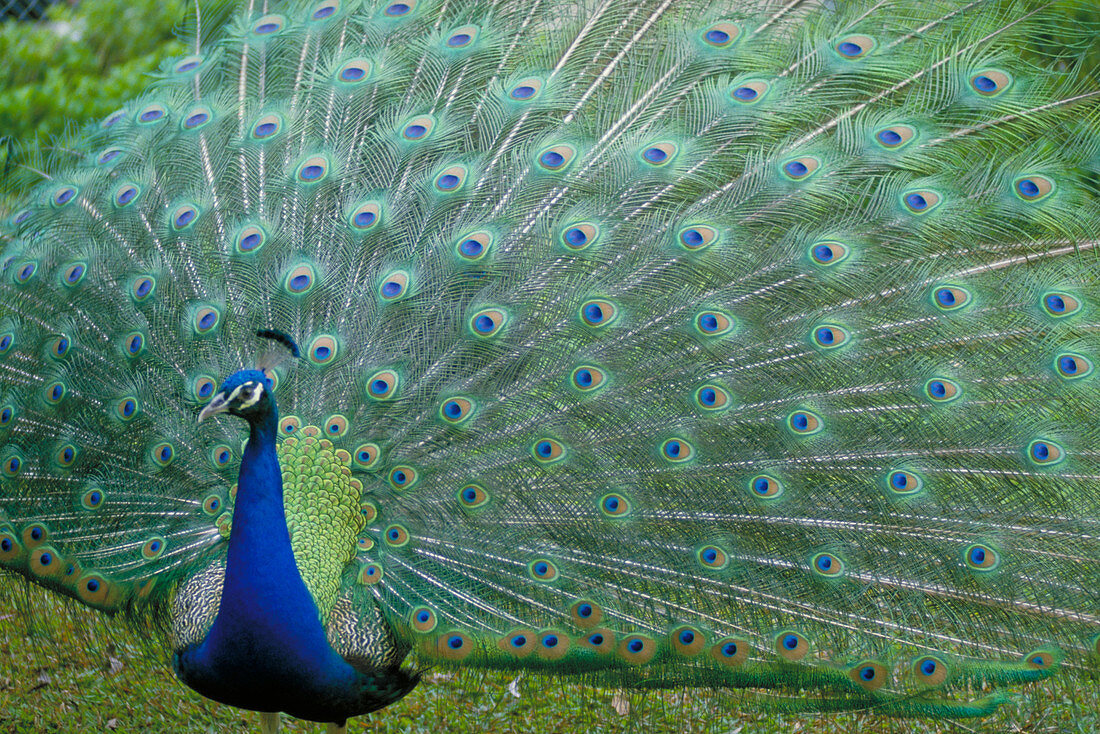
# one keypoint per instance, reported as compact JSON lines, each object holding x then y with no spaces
{"x":267,"y":650}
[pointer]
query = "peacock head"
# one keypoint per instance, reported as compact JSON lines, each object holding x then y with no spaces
{"x":246,"y":393}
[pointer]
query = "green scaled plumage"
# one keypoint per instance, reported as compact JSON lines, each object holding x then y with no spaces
{"x":665,"y":344}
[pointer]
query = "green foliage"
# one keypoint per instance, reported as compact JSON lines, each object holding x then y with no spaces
{"x":81,"y":63}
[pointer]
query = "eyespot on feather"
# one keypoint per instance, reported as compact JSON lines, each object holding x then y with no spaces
{"x":990,"y":82}
{"x":749,"y":92}
{"x":579,"y":235}
{"x":722,"y":34}
{"x":801,"y":168}
{"x":547,"y":451}
{"x":382,"y":385}
{"x":920,"y":201}
{"x":791,"y":645}
{"x":474,"y":246}
{"x":804,"y":423}
{"x":869,"y":675}
{"x":588,"y":378}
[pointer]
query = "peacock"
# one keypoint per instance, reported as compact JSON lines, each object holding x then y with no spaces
{"x":658,"y":343}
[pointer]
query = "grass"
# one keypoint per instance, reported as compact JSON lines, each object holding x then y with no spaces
{"x":74,"y":670}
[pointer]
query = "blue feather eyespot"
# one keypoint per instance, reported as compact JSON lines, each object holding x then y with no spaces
{"x":397,"y":10}
{"x":109,"y":155}
{"x":196,"y":118}
{"x":1033,"y":188}
{"x":21,"y":216}
{"x":547,"y":451}
{"x":396,"y":536}
{"x":1059,"y":304}
{"x":800,"y":169}
{"x":930,"y":670}
{"x":687,"y":641}
{"x":12,"y":465}
{"x":383,"y":385}
{"x":488,"y":322}
{"x":712,"y":398}
{"x":422,"y":619}
{"x":7,"y":339}
{"x":542,"y":570}
{"x":614,"y":505}
{"x":556,"y":158}
{"x":749,"y":92}
{"x":659,"y":154}
{"x":55,"y":392}
{"x":456,"y":410}
{"x":1072,"y":366}
{"x":677,"y":450}
{"x":902,"y":482}
{"x":895,"y":136}
{"x":765,"y":487}
{"x":366,"y":455}
{"x":63,"y":195}
{"x":579,"y":235}
{"x":212,"y":505}
{"x":143,"y":287}
{"x":473,"y":496}
{"x":325,"y":10}
{"x":827,"y":565}
{"x":598,"y":313}
{"x":370,"y":574}
{"x":454,"y":646}
{"x":721,"y":34}
{"x":941,"y":390}
{"x":791,"y":645}
{"x":920,"y":202}
{"x":869,"y":675}
{"x":1042,"y":659}
{"x":66,"y":456}
{"x":712,"y":557}
{"x":519,"y":643}
{"x":588,"y":378}
{"x":152,"y":114}
{"x":127,"y":408}
{"x":290,"y":425}
{"x":828,"y":252}
{"x":220,"y":456}
{"x":363,"y":545}
{"x":981,"y":557}
{"x":451,"y":179}
{"x":526,"y":90}
{"x":92,"y":499}
{"x":26,"y":271}
{"x":152,"y":548}
{"x":365,"y":216}
{"x":586,"y":613}
{"x":990,"y":82}
{"x":355,"y":71}
{"x":268,"y":25}
{"x":950,"y":297}
{"x":697,"y":237}
{"x":730,"y":651}
{"x":312,"y":170}
{"x":1045,"y":453}
{"x":323,"y":349}
{"x":267,"y":127}
{"x":59,"y":346}
{"x":829,"y":336}
{"x":713,"y":323}
{"x":202,"y":388}
{"x":125,"y":195}
{"x":187,"y":64}
{"x":463,"y":37}
{"x":205,"y":320}
{"x":403,"y":477}
{"x":249,"y":239}
{"x":395,"y":286}
{"x":112,"y":118}
{"x":474,"y":246}
{"x":336,"y":426}
{"x":7,"y":415}
{"x":162,"y":453}
{"x":804,"y":423}
{"x":851,"y":48}
{"x":637,"y":649}
{"x":418,"y":128}
{"x":300,"y":279}
{"x":184,"y":216}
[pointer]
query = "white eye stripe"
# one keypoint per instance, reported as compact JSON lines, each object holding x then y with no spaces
{"x":256,"y":395}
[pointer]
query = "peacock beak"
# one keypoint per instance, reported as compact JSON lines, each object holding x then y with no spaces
{"x":218,"y":404}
